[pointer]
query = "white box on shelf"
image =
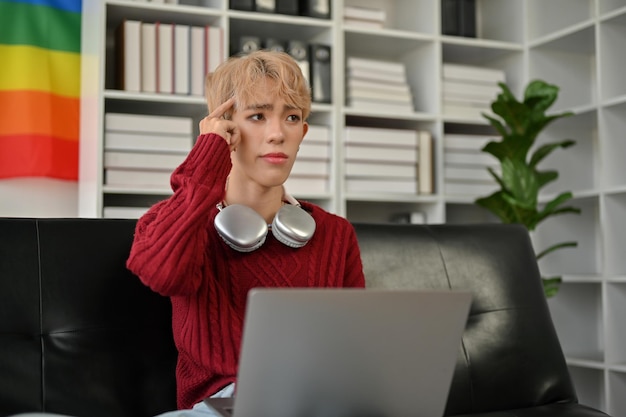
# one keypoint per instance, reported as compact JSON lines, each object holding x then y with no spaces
{"x":311,"y":167}
{"x":381,"y":136}
{"x":297,"y":184}
{"x":380,"y":170}
{"x":358,"y":152}
{"x":117,"y":141}
{"x":137,"y":178}
{"x":143,"y":160}
{"x":381,"y":185}
{"x":472,"y":73}
{"x":182,"y":59}
{"x":165,"y":58}
{"x":142,"y":123}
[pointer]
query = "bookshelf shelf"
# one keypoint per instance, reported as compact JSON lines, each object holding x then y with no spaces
{"x":580,"y":51}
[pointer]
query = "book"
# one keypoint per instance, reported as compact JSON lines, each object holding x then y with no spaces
{"x":296,"y":184}
{"x":472,"y":73}
{"x":361,"y":23}
{"x":425,"y":163}
{"x":469,"y":158}
{"x":355,"y":82}
{"x":406,"y":138}
{"x":380,"y":170}
{"x":197,"y":61}
{"x":380,"y":77}
{"x":165,"y":58}
{"x":487,"y":91}
{"x":142,"y":123}
{"x":128,"y":51}
{"x":123,"y":141}
{"x":181,"y":59}
{"x":381,"y":106}
{"x":314,"y":150}
{"x":214,"y":47}
{"x":381,"y":153}
{"x":133,"y":178}
{"x":143,"y":160}
{"x":464,"y":112}
{"x":380,"y":94}
{"x":317,"y":133}
{"x":148,"y":58}
{"x":390,"y":67}
{"x":381,"y":185}
{"x":364,"y":13}
{"x":311,"y":167}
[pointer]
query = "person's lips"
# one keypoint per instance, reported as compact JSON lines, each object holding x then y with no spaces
{"x":275,"y":157}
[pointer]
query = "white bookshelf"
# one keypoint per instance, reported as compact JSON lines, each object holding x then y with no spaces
{"x":580,"y":50}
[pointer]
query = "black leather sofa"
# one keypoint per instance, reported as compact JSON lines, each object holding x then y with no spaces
{"x":81,"y":336}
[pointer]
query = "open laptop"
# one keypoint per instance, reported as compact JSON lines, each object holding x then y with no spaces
{"x":347,"y":353}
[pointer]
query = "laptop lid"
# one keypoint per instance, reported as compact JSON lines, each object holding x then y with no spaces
{"x":347,"y":352}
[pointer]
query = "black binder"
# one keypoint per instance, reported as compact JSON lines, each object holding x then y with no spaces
{"x":320,"y":73}
{"x":315,"y":8}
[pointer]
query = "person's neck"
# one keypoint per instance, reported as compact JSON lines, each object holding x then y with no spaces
{"x":265,"y":201}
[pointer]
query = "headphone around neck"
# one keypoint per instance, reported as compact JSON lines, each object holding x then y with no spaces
{"x":244,"y":230}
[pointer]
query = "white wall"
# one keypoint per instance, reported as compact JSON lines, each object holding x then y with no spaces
{"x":38,"y":197}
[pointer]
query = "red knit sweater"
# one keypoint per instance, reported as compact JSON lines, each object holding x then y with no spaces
{"x":178,"y":253}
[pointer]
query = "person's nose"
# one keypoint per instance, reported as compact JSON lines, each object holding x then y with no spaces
{"x":275,"y":132}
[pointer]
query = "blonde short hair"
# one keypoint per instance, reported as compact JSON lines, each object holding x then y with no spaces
{"x":238,"y":76}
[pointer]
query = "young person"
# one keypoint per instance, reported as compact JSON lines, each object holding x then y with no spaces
{"x":203,"y":247}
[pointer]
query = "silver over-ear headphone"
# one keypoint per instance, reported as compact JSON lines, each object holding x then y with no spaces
{"x":244,"y":230}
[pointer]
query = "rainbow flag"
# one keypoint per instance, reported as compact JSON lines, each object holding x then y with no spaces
{"x":39,"y":88}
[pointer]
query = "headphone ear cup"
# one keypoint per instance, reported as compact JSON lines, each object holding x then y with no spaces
{"x":242,"y":228}
{"x":293,"y":226}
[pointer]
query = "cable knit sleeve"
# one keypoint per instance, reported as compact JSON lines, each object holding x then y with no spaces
{"x":354,"y":267}
{"x":170,"y":240}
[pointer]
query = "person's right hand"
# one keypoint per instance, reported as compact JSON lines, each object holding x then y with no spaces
{"x":216,"y":123}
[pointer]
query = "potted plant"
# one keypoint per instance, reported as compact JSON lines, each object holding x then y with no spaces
{"x":520,"y":180}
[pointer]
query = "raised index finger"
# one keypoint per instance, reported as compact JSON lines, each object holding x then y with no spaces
{"x":223,"y":108}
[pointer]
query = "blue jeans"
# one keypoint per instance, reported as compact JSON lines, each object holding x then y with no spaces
{"x":198,"y":410}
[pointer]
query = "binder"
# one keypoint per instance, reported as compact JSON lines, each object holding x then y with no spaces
{"x":299,"y":52}
{"x":265,"y":6}
{"x":320,"y":73}
{"x":287,"y":7}
{"x":245,"y":5}
{"x":315,"y":8}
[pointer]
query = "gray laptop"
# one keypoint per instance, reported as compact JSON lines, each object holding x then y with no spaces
{"x":347,"y":353}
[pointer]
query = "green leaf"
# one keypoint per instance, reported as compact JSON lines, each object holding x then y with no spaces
{"x":545,"y":177}
{"x":521,"y":182}
{"x":540,"y":95}
{"x":551,"y":286}
{"x":496,"y":124}
{"x":546,"y":149}
{"x":497,"y":206}
{"x":556,"y":247}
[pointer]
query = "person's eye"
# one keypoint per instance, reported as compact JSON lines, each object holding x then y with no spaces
{"x":293,"y":118}
{"x":256,"y":116}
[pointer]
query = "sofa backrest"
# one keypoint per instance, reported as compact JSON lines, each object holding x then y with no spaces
{"x":81,"y":336}
{"x":510,"y":355}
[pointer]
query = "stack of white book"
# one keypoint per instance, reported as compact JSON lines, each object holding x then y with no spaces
{"x":468,"y":91}
{"x":367,"y":17}
{"x":381,"y":160}
{"x":376,"y":85}
{"x":141,"y":151}
{"x":465,"y":165}
{"x":166,"y":58}
{"x":311,"y":170}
